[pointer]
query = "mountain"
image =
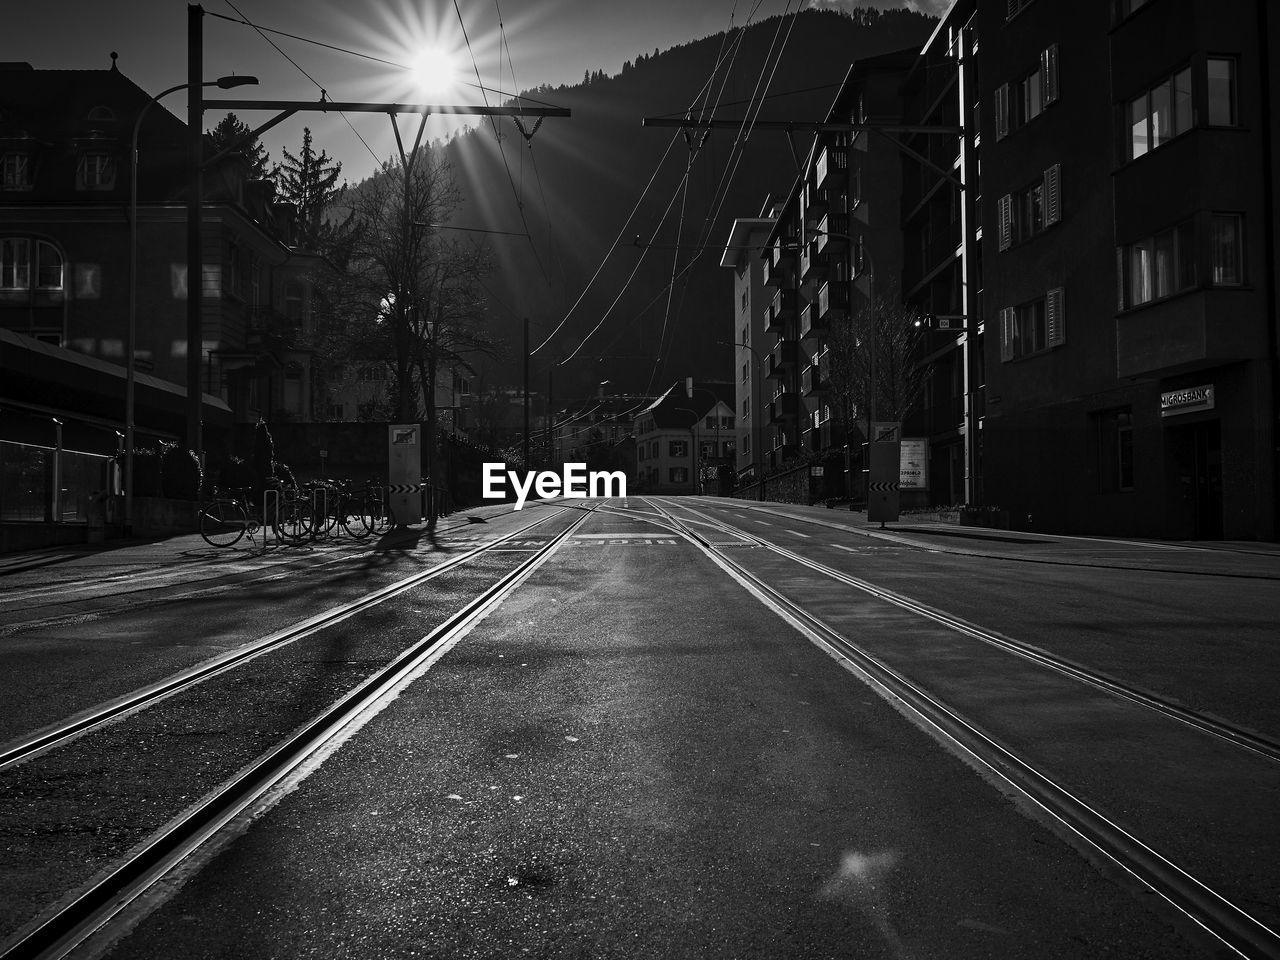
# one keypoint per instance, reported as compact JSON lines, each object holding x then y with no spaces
{"x":578,"y":180}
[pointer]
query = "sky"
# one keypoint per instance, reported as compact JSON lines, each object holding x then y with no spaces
{"x":401,"y":47}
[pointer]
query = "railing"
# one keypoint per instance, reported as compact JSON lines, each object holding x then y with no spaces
{"x":781,"y":308}
{"x":812,"y":380}
{"x":832,"y":296}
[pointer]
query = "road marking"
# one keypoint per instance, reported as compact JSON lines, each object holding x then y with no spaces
{"x":765,"y":523}
{"x":797,"y":533}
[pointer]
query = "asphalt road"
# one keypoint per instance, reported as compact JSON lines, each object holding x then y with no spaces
{"x":632,"y":757}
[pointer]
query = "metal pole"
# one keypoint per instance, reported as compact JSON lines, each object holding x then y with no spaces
{"x":195,"y":251}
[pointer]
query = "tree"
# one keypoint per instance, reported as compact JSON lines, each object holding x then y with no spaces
{"x":229,"y":130}
{"x":876,"y":350}
{"x":309,"y":181}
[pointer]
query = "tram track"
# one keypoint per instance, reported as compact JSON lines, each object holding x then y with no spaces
{"x":1231,"y":733}
{"x":60,"y":733}
{"x":92,"y":908}
{"x":1085,"y":824}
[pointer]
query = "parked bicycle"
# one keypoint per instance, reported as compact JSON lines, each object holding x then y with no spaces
{"x":335,"y":505}
{"x":231,"y":514}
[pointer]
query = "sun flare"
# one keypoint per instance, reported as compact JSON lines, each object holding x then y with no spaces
{"x":435,"y":71}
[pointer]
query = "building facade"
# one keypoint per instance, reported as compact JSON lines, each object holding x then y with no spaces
{"x":686,"y":439}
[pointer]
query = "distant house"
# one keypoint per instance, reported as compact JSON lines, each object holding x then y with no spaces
{"x":684,"y":437}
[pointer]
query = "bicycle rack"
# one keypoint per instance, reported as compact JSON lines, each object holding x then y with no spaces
{"x":320,"y":513}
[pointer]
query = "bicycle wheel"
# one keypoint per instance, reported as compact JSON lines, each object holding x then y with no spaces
{"x":356,"y":518}
{"x":374,"y":509}
{"x":295,"y":520}
{"x":222,"y":522}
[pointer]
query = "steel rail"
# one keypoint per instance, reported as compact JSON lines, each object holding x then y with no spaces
{"x":897,"y":536}
{"x":89,"y":910}
{"x":63,"y":731}
{"x":1244,"y":739}
{"x":1234,"y":927}
{"x":154,"y":578}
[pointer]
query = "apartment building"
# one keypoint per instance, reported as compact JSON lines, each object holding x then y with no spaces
{"x":742,"y":255}
{"x":65,"y":195}
{"x":1130,"y":262}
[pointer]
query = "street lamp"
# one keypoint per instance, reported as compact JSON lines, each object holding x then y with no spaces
{"x":193,"y":286}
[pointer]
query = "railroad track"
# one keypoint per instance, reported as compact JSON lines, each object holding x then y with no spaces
{"x":51,"y":737}
{"x":1084,"y":824}
{"x":228,"y":569}
{"x":61,"y":929}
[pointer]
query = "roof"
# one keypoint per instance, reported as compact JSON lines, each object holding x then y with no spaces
{"x":671,"y":410}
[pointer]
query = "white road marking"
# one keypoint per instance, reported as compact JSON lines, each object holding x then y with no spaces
{"x":797,"y":533}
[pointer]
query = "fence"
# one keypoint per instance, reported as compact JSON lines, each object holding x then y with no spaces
{"x":45,"y":485}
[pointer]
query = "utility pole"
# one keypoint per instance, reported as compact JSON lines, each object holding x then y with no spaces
{"x":196,"y":105}
{"x":195,"y":249}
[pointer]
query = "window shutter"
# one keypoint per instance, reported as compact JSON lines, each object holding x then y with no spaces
{"x":1049,"y":74}
{"x":1053,"y":194}
{"x":1006,"y":333}
{"x":1054,"y":320}
{"x":1005,"y":212}
{"x":1002,"y":111}
{"x":1011,"y":9}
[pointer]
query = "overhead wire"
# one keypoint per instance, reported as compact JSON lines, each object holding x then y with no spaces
{"x":498,"y":137}
{"x":636,"y":208}
{"x":727,"y":176}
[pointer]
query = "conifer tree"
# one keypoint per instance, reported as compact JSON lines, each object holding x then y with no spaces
{"x":230,"y":129}
{"x":309,"y":182}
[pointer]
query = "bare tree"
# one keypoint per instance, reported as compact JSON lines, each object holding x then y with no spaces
{"x":877,"y":350}
{"x":422,"y":291}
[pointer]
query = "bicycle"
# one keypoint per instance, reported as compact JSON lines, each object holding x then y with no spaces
{"x":338,"y":507}
{"x":224,"y":520}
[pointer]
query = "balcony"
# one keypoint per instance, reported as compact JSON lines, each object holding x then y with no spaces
{"x":775,"y":271}
{"x":811,"y":324}
{"x":833,"y":301}
{"x":832,"y":167}
{"x":1184,"y":334}
{"x":833,"y":233}
{"x":812,"y":263}
{"x":813,"y":381}
{"x":781,"y":360}
{"x":783,"y":407}
{"x":816,"y":202}
{"x":781,"y":309}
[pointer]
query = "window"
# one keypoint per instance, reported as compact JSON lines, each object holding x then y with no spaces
{"x":677,"y":448}
{"x":744,"y":373}
{"x":1022,"y":100}
{"x":1157,"y":267}
{"x":746,"y":407}
{"x":746,"y":444}
{"x":707,"y":449}
{"x":15,"y":171}
{"x":1031,"y":210}
{"x":745,"y":298}
{"x":17,"y":268}
{"x":15,"y":263}
{"x":1226,"y":233}
{"x":1113,"y":438}
{"x":1033,"y":327}
{"x":678,"y":474}
{"x":711,"y":422}
{"x":1158,"y":115}
{"x":726,"y":423}
{"x":95,"y":171}
{"x":1220,"y":85}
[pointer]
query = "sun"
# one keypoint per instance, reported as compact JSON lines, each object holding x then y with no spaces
{"x":434,"y":71}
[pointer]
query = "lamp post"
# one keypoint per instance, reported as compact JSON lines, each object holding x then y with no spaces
{"x":193,"y":287}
